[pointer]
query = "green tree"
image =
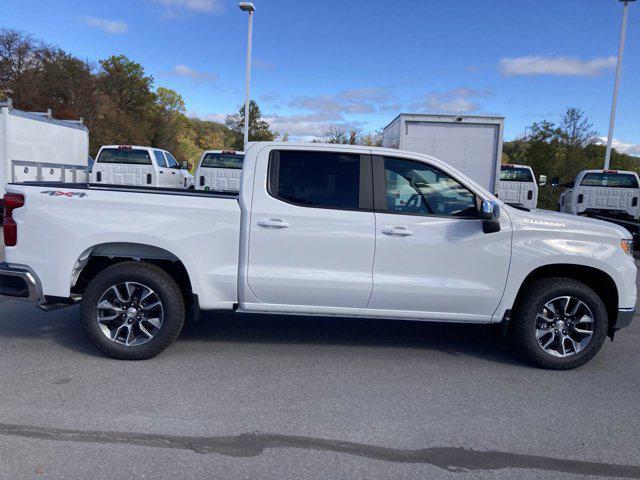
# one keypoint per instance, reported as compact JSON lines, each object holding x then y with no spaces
{"x":259,"y":129}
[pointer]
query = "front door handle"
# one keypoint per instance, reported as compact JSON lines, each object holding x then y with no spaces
{"x":273,"y":223}
{"x":397,"y":231}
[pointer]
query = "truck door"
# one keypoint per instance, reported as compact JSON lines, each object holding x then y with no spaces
{"x":164,"y":179}
{"x":432,"y":257}
{"x":312,"y":230}
{"x":176,"y":179}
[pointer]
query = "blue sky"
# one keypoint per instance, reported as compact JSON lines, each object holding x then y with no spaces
{"x":358,"y":62}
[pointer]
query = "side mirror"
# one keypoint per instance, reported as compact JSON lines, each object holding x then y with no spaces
{"x":542,"y":181}
{"x":490,"y":215}
{"x":185,"y":165}
{"x":555,"y":182}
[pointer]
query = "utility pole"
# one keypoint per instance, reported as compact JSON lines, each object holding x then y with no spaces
{"x":612,"y":120}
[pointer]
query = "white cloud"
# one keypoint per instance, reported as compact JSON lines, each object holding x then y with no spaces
{"x":304,"y":126}
{"x":539,"y":65}
{"x":174,"y":8}
{"x":263,"y":65}
{"x":187,"y":72}
{"x":355,"y":101}
{"x":623,"y":147}
{"x":109,"y":26}
{"x":457,"y":100}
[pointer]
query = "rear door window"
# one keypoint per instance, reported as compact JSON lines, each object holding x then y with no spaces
{"x":132,"y":156}
{"x":515,"y":174}
{"x":614,"y":180}
{"x":316,"y":179}
{"x":223,"y":160}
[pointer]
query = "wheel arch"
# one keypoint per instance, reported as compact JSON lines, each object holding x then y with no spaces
{"x":598,"y":280}
{"x":98,"y":257}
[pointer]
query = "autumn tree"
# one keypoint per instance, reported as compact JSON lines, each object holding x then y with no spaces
{"x":259,"y":129}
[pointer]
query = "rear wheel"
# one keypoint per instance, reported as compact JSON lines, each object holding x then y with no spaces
{"x":132,"y":311}
{"x":559,"y":323}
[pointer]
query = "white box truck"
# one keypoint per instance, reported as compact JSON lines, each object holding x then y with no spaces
{"x":469,"y":143}
{"x":36,"y":147}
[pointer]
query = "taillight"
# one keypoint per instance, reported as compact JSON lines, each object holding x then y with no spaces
{"x":11,"y":201}
{"x":202,"y":180}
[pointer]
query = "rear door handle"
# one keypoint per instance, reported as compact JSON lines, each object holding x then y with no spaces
{"x":397,"y":231}
{"x":273,"y":223}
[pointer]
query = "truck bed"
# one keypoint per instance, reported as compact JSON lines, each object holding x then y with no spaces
{"x":199,"y":230}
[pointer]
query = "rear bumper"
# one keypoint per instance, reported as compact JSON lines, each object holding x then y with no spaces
{"x":19,"y":282}
{"x":625,"y":315}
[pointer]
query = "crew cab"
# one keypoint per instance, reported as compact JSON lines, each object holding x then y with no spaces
{"x":220,"y":170}
{"x":139,"y":166}
{"x":517,"y":186}
{"x":604,"y":192}
{"x":329,"y":230}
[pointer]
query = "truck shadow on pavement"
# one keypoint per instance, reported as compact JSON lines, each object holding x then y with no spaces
{"x":484,"y":342}
{"x":458,"y":340}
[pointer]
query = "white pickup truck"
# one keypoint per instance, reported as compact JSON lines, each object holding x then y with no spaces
{"x":326,"y":230}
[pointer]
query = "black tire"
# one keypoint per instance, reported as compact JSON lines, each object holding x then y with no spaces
{"x":523,"y":323}
{"x":147,"y":274}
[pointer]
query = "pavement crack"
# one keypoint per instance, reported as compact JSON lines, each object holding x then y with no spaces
{"x":454,"y":459}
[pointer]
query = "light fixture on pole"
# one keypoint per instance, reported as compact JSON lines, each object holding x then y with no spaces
{"x":247,"y":7}
{"x":612,"y":120}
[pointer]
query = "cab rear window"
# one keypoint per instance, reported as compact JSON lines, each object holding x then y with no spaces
{"x":515,"y":174}
{"x":130,"y":156}
{"x":614,"y":180}
{"x":223,"y":160}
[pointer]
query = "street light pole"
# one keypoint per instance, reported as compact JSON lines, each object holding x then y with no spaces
{"x":612,"y":120}
{"x":248,"y":7}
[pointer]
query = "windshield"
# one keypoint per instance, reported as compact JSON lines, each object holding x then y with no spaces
{"x":124,"y":155}
{"x":515,"y":174}
{"x":223,"y":160}
{"x":615,"y":180}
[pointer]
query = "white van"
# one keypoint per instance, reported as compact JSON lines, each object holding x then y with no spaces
{"x":605,"y":192}
{"x":219,"y":170}
{"x":517,"y":186}
{"x":138,"y":166}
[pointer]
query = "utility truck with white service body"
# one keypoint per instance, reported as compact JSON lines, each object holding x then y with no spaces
{"x":604,"y":192}
{"x":517,"y":186}
{"x":316,"y":229}
{"x":219,"y":170}
{"x":139,"y":166}
{"x":35,"y":146}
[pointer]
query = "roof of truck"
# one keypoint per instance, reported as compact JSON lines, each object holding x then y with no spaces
{"x":43,"y":117}
{"x":625,"y":172}
{"x":132,"y":147}
{"x":445,"y":117}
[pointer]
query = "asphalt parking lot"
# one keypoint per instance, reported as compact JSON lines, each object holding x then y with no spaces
{"x":269,"y":397}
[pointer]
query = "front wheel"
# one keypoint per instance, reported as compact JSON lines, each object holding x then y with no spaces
{"x":132,"y":311}
{"x":559,"y":324}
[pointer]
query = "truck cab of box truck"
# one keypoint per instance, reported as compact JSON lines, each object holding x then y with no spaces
{"x":517,"y":186}
{"x":137,"y":166}
{"x":605,"y":192}
{"x":220,"y":170}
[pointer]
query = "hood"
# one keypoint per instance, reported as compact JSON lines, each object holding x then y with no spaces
{"x":563,"y":222}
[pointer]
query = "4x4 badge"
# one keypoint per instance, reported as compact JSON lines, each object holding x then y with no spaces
{"x":59,"y":193}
